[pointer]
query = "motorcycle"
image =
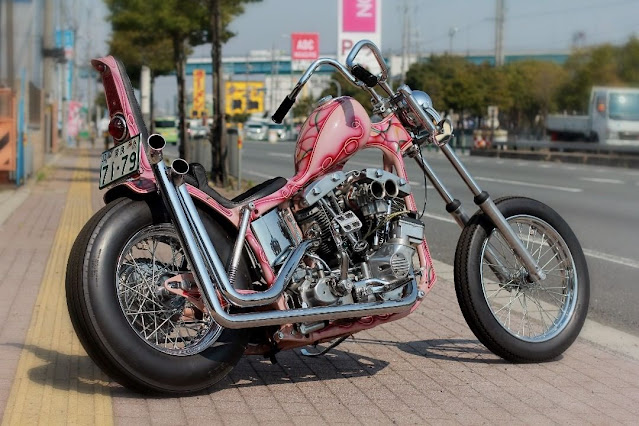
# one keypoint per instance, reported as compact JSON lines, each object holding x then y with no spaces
{"x":170,"y":283}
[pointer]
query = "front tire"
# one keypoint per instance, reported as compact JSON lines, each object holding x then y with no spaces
{"x":143,"y":336}
{"x":516,"y":319}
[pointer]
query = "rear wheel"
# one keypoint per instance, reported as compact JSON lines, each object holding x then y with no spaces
{"x":145,"y":335}
{"x":513,"y":316}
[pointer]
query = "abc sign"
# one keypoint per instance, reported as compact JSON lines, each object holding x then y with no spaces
{"x":305,"y":46}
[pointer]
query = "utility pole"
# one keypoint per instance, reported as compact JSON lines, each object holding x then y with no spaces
{"x":451,"y":34}
{"x":405,"y":41}
{"x":50,"y":56}
{"x":218,"y":133}
{"x":10,"y":58}
{"x":499,"y":34}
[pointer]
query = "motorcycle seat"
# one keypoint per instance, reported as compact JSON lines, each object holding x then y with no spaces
{"x":196,"y":177}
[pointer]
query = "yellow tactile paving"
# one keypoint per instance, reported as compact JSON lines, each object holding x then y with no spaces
{"x":55,"y":382}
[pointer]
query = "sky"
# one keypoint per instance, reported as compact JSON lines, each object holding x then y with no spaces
{"x":530,"y":26}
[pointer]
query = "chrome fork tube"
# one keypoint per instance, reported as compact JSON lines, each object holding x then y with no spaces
{"x":487,"y":205}
{"x":455,"y":209}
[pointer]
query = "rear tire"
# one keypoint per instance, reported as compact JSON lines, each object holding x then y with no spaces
{"x":110,"y":321}
{"x":518,"y":320}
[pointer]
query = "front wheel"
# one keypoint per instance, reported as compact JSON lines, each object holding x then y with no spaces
{"x":515,"y":317}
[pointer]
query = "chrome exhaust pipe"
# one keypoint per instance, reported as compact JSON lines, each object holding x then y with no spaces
{"x":156,"y":144}
{"x":179,"y":168}
{"x":186,"y":220}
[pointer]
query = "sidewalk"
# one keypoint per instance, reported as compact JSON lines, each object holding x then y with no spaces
{"x":427,"y":368}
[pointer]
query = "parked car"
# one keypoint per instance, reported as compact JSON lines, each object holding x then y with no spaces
{"x":279,"y":129}
{"x":198,"y":132}
{"x":255,"y":131}
{"x":168,"y":128}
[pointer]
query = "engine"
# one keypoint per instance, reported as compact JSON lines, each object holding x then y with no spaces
{"x":366,"y":239}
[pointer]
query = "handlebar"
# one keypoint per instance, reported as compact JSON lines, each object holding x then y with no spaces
{"x":419,"y":117}
{"x":289,"y":100}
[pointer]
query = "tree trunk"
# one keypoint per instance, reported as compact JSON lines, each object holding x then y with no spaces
{"x":180,"y":68}
{"x":151,"y":123}
{"x":219,"y":152}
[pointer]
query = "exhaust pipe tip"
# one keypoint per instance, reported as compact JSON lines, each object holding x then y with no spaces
{"x":179,"y":168}
{"x":156,"y":144}
{"x":391,"y":188}
{"x":377,"y":190}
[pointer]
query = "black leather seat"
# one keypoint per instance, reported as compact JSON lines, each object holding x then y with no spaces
{"x":197,"y":177}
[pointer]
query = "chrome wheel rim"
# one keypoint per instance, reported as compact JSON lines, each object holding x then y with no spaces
{"x":531,"y":311}
{"x":165,"y":321}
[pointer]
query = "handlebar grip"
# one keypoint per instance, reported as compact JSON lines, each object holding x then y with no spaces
{"x":364,"y":75}
{"x":283,"y":109}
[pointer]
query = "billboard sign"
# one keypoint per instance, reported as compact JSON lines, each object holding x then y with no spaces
{"x":244,"y":97}
{"x":199,"y":89}
{"x":358,"y":20}
{"x":305,"y":46}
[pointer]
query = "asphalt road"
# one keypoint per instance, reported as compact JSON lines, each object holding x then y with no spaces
{"x":601,"y":204}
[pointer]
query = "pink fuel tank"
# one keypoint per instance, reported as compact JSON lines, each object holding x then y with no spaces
{"x":333,"y":132}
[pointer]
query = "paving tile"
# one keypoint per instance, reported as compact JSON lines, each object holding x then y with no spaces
{"x":427,"y":368}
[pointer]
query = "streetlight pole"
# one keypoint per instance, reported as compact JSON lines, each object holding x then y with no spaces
{"x":451,"y":33}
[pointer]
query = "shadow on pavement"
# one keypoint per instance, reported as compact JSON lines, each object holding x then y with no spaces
{"x":79,"y":372}
{"x":462,"y":350}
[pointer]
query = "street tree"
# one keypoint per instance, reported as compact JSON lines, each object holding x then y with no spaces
{"x":174,"y":24}
{"x":221,"y":14}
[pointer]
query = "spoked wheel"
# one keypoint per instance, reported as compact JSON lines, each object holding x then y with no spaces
{"x":147,"y":333}
{"x":514,"y":316}
{"x":167,"y":321}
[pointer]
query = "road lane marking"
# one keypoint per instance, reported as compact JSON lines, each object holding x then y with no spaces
{"x":614,"y":259}
{"x":601,"y":180}
{"x":440,"y":217}
{"x":534,"y":185}
{"x":55,"y":383}
{"x":258,"y":174}
{"x":590,"y":253}
{"x":280,"y":154}
{"x":545,"y":166}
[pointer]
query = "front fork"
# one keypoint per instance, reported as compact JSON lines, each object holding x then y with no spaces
{"x":486,"y":204}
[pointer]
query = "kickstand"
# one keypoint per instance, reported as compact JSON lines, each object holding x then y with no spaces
{"x":325,"y":350}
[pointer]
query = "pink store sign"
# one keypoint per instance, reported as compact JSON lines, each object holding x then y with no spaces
{"x":358,"y":16}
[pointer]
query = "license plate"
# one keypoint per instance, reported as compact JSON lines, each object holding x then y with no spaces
{"x":120,"y":162}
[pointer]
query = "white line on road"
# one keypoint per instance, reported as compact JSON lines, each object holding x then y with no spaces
{"x":601,"y":180}
{"x":440,"y":217}
{"x":591,"y":253}
{"x":545,"y":166}
{"x":535,"y":185}
{"x":614,"y":259}
{"x":258,"y":174}
{"x":280,"y":154}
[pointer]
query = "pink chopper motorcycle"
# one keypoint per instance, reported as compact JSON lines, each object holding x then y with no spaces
{"x":170,"y":283}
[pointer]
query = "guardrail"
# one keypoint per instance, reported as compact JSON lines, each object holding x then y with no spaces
{"x":590,"y":147}
{"x":565,"y":152}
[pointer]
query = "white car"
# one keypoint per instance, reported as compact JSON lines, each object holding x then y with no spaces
{"x":255,"y":131}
